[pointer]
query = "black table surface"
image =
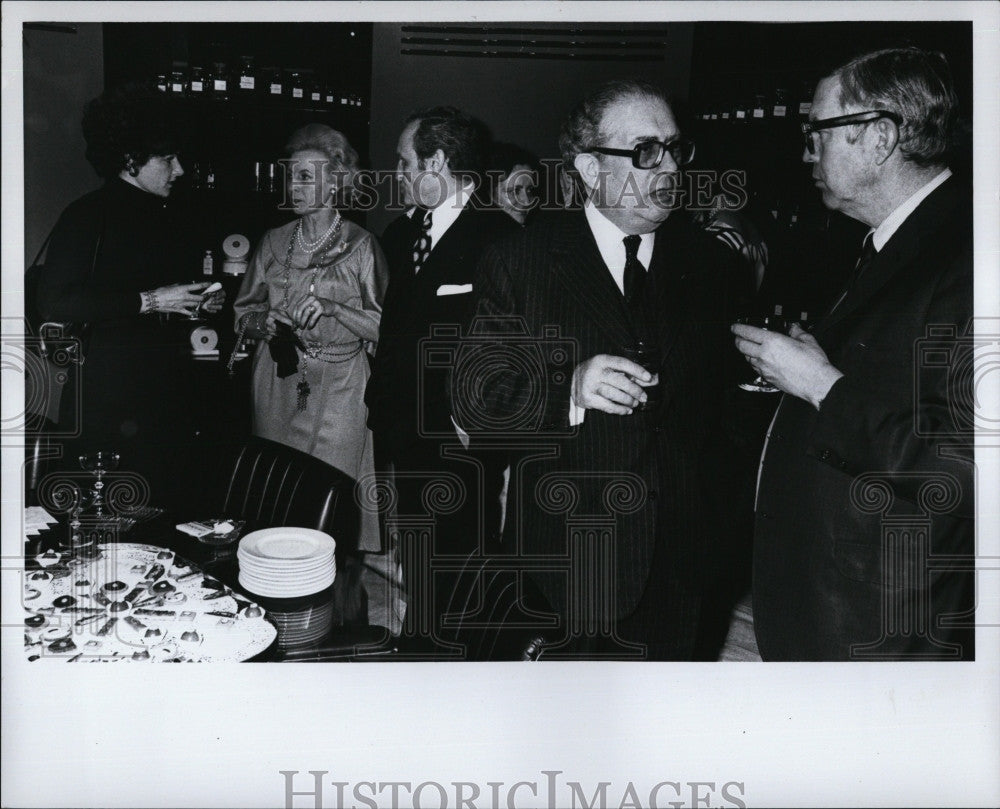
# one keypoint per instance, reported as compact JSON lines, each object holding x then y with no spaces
{"x":350,"y":638}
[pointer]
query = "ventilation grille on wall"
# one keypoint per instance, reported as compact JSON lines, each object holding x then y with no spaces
{"x":608,"y":43}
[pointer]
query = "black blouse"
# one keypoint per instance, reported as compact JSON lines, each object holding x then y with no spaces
{"x":141,"y":248}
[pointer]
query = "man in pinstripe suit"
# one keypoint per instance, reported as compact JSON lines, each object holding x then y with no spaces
{"x":607,"y":488}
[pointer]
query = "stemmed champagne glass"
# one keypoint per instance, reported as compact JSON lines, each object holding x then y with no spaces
{"x":772,"y":322}
{"x":98,"y":464}
{"x":76,"y":540}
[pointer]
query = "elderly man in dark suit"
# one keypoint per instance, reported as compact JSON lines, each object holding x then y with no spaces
{"x":432,"y":252}
{"x":864,"y":535}
{"x":588,"y":355}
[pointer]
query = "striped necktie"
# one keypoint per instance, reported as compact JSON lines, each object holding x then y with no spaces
{"x":422,"y":246}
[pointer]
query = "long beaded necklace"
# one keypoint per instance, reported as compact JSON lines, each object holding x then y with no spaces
{"x":302,"y":389}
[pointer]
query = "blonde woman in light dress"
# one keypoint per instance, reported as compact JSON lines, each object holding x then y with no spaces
{"x":313,"y":296}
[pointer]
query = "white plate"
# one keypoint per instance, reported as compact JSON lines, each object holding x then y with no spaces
{"x":255,"y":563}
{"x":282,"y":575}
{"x":292,"y":590}
{"x":272,"y":582}
{"x":289,"y":544}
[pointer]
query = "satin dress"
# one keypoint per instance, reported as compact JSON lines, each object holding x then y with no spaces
{"x":351,"y":270}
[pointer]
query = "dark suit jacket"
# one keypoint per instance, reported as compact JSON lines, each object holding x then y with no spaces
{"x":407,"y":392}
{"x":834,"y":567}
{"x":551,"y":303}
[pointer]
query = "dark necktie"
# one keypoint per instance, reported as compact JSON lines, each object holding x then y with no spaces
{"x":635,"y":273}
{"x":422,"y":246}
{"x":868,"y":253}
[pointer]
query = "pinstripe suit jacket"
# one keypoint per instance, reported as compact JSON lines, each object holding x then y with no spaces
{"x":545,"y":302}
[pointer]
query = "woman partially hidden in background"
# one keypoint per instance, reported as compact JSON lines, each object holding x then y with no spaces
{"x":313,"y":296}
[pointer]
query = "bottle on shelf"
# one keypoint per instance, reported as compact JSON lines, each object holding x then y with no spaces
{"x":196,"y":83}
{"x":759,"y":113}
{"x":208,"y":176}
{"x":208,"y":264}
{"x":248,"y":76}
{"x":780,"y":108}
{"x":220,"y":81}
{"x":315,"y":93}
{"x":805,"y":102}
{"x":276,"y":85}
{"x":741,"y":112}
{"x":178,"y":79}
{"x":329,"y":95}
{"x":297,"y":87}
{"x":161,"y":82}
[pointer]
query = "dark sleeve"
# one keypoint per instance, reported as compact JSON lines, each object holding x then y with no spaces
{"x":507,"y":380}
{"x":925,"y":434}
{"x":68,"y":287}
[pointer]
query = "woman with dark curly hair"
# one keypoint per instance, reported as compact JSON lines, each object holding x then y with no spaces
{"x":115,"y":262}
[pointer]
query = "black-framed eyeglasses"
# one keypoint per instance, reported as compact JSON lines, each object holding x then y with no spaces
{"x":812,"y":127}
{"x":649,"y":153}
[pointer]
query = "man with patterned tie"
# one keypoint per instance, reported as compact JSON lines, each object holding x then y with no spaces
{"x":432,"y":253}
{"x":864,"y":536}
{"x":609,"y":450}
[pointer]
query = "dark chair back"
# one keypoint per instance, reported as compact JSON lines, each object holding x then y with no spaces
{"x":41,"y":455}
{"x":269,"y":484}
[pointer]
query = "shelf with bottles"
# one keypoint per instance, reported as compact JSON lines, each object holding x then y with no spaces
{"x":296,"y":88}
{"x":783,"y":104}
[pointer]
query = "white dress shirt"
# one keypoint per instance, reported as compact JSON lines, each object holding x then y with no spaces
{"x":447,"y":212}
{"x":611,"y":245}
{"x":891,"y":223}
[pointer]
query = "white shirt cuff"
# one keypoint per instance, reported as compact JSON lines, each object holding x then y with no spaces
{"x":576,"y":413}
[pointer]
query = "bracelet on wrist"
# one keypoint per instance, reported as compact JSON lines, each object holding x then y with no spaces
{"x":150,"y":302}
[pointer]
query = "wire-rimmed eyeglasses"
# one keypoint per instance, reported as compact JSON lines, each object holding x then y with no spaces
{"x":649,"y":153}
{"x":812,"y":127}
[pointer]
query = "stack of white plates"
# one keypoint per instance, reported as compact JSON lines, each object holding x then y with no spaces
{"x":286,"y":562}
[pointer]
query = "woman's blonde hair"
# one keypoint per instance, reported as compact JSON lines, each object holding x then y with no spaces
{"x":334,"y":145}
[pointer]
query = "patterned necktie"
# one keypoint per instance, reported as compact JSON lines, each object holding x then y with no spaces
{"x":635,"y":273}
{"x":422,"y":246}
{"x":868,"y":253}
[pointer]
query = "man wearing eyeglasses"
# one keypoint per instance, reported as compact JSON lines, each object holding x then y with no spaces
{"x":864,"y":533}
{"x":606,"y":385}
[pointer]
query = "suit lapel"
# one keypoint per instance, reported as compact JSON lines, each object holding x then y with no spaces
{"x":900,"y":250}
{"x":585,"y":276}
{"x":444,"y":254}
{"x":665,"y":283}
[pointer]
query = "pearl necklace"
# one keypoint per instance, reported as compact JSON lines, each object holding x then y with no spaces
{"x":311,"y":247}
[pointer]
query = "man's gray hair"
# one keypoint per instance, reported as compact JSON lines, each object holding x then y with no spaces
{"x":581,"y":130}
{"x":916,"y":85}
